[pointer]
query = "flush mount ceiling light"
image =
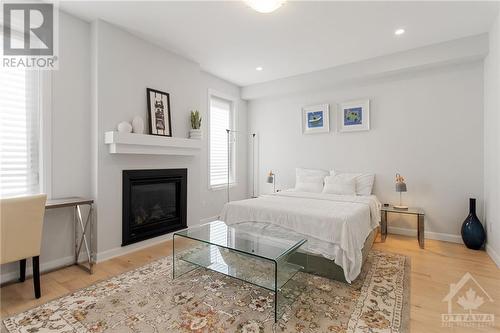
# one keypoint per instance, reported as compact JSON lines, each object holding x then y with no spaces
{"x":399,"y":32}
{"x":259,"y":68}
{"x":265,"y":6}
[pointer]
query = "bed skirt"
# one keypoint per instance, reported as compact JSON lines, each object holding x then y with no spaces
{"x":319,"y":265}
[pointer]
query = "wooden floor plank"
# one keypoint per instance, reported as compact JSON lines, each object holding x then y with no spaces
{"x":433,"y":269}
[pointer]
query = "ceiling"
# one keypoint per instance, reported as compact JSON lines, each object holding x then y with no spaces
{"x":230,"y":40}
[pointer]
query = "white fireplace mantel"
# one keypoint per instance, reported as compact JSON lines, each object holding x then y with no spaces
{"x":132,"y":143}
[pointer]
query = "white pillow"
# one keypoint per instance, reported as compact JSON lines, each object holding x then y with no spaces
{"x":309,"y":183}
{"x":299,"y":172}
{"x":364,"y":181}
{"x":340,"y":184}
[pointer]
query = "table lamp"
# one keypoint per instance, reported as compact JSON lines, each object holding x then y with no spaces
{"x":271,"y":179}
{"x":400,"y":187}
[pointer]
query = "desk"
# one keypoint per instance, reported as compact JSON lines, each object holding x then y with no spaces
{"x":85,"y":227}
{"x":418,"y":212}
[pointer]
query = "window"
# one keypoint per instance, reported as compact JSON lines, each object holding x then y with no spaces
{"x":221,"y":118}
{"x":19,"y":132}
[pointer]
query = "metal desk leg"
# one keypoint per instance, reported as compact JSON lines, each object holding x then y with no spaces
{"x":91,"y":231}
{"x":86,"y":228}
{"x":76,"y":234}
{"x":383,"y":226}
{"x":421,"y":230}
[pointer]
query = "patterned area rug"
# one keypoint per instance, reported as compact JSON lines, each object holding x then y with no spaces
{"x":148,"y":300}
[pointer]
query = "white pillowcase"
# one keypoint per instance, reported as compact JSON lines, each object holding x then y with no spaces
{"x":299,"y":172}
{"x":312,"y":184}
{"x":364,"y":181}
{"x":309,"y":180}
{"x":340,"y":184}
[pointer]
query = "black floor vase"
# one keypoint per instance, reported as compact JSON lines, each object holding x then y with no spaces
{"x":472,"y":230}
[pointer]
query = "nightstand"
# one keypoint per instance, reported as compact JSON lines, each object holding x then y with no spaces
{"x":418,"y":212}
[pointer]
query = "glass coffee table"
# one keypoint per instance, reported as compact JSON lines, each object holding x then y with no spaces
{"x":254,"y":252}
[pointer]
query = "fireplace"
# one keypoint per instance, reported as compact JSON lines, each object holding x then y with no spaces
{"x":154,"y":203}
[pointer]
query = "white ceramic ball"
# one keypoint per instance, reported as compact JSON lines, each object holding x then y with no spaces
{"x":124,"y":127}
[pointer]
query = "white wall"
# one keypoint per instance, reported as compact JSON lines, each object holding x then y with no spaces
{"x":425,"y":124}
{"x":125,"y":66}
{"x":69,"y":142}
{"x":102,"y":80}
{"x":492,"y":142}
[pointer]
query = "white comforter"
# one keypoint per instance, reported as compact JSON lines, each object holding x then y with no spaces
{"x":336,"y":226}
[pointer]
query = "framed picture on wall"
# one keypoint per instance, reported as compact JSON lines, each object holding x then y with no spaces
{"x":159,"y":112}
{"x":354,"y":116}
{"x":315,"y":119}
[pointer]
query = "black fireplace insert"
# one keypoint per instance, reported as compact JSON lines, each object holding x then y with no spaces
{"x":154,"y":203}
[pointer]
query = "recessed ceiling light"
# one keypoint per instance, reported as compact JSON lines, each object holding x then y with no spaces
{"x":265,"y":6}
{"x":399,"y":32}
{"x":259,"y":68}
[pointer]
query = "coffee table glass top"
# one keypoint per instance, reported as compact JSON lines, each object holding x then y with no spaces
{"x":255,"y":252}
{"x":259,"y":239}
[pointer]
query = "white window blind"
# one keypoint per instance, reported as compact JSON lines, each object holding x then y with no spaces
{"x":19,"y":132}
{"x":221,"y":119}
{"x":220,"y":236}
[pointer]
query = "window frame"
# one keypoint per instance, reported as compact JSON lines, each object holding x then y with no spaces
{"x":233,"y":125}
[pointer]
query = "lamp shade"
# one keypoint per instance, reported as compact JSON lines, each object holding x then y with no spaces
{"x":400,"y":187}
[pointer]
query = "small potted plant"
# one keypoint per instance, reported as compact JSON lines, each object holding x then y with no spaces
{"x":195,"y":132}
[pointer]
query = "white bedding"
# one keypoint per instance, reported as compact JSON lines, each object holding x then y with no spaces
{"x":336,"y":226}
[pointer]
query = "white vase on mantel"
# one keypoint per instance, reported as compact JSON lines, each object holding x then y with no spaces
{"x":138,"y":125}
{"x":195,"y":134}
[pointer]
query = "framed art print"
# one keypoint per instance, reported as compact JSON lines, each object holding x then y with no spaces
{"x":354,"y":116}
{"x":315,"y":119}
{"x":160,"y":122}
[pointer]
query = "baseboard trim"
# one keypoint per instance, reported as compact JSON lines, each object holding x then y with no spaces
{"x":44,"y":267}
{"x":122,"y":250}
{"x":428,"y":234}
{"x":101,"y":256}
{"x":493,"y":255}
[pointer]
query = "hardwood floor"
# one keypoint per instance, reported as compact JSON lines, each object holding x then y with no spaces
{"x":433,"y":269}
{"x":432,"y":272}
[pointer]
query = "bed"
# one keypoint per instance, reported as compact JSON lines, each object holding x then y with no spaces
{"x":340,"y":229}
